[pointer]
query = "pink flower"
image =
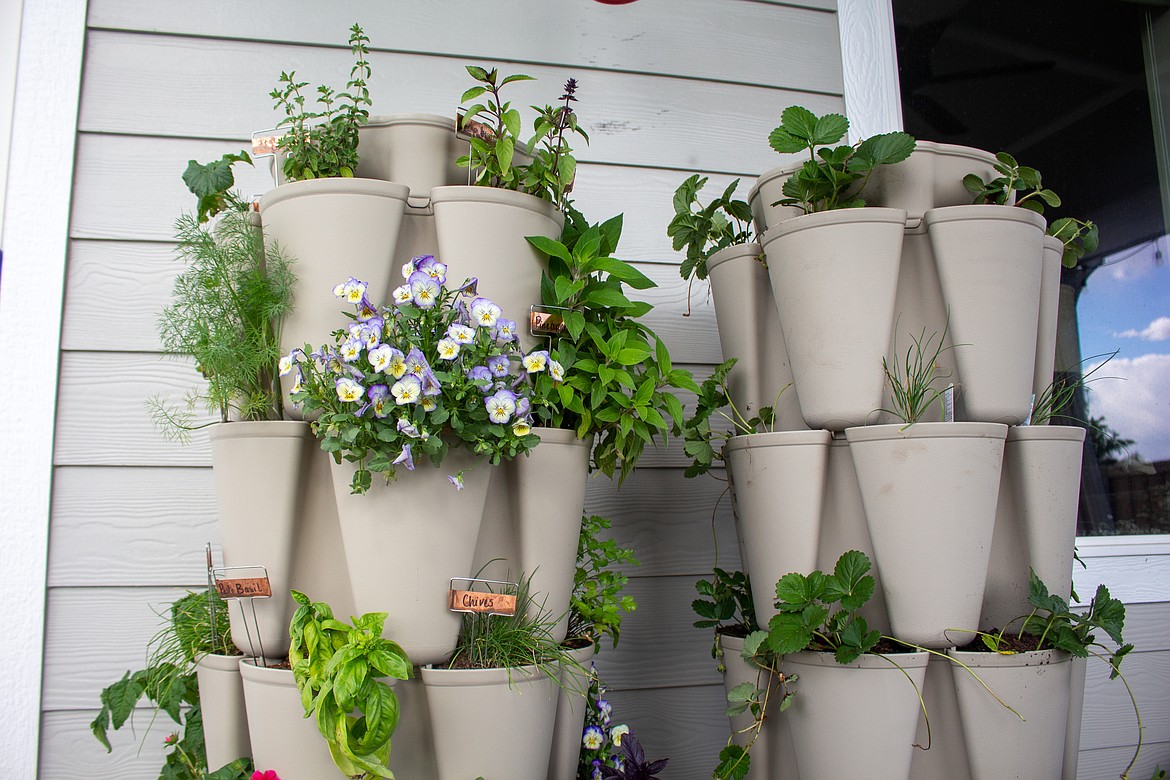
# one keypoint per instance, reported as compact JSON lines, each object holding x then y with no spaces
{"x":267,"y":775}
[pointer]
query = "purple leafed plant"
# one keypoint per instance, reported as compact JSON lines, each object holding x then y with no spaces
{"x":634,"y":764}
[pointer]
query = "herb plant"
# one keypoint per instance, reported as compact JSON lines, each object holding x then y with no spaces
{"x":596,"y":605}
{"x":704,"y":230}
{"x":323,"y":143}
{"x":494,"y":143}
{"x":713,"y":400}
{"x":912,"y":380}
{"x":212,"y":184}
{"x":225,"y":312}
{"x":728,"y":604}
{"x":438,"y":368}
{"x":336,"y":667}
{"x":604,"y":377}
{"x":170,"y":684}
{"x":634,"y":765}
{"x":834,"y":177}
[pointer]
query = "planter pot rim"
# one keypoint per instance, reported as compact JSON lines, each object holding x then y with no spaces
{"x":926,"y":430}
{"x":868,"y":214}
{"x":336,"y":185}
{"x":1046,"y":433}
{"x":455,"y":193}
{"x":733,"y":252}
{"x":914,"y":660}
{"x":436,"y":120}
{"x":221,"y":663}
{"x":987,"y":660}
{"x":984,"y":211}
{"x":561,"y":436}
{"x":264,"y":675}
{"x":786,"y":169}
{"x":246,"y":429}
{"x":1053,"y":243}
{"x":778,"y":439}
{"x":461,"y":677}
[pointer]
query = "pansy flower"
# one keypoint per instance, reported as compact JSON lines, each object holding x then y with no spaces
{"x":381,"y":356}
{"x":448,"y":349}
{"x":351,"y":350}
{"x":616,"y":733}
{"x":498,"y":365}
{"x":379,"y":396}
{"x":397,"y":366}
{"x":521,"y":427}
{"x":291,"y":359}
{"x":407,"y":390}
{"x":480,"y":376}
{"x":351,"y":290}
{"x":416,"y":362}
{"x":424,"y":290}
{"x":469,"y":287}
{"x":593,"y":738}
{"x":403,"y":294}
{"x":366,"y":310}
{"x":556,"y":370}
{"x":408,"y":268}
{"x":348,"y":390}
{"x":485,"y":313}
{"x":523,"y":405}
{"x":428,"y":404}
{"x":430,"y":383}
{"x":456,"y":480}
{"x":460,"y":334}
{"x":407,"y":428}
{"x":501,"y":405}
{"x":505,"y":329}
{"x":535,"y":362}
{"x":404,"y":458}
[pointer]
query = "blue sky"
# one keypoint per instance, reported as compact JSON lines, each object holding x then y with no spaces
{"x":1126,"y":306}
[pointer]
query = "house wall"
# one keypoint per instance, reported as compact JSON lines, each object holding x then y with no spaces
{"x":667,"y":87}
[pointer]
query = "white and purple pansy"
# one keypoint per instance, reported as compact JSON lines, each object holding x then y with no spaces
{"x":460,"y":334}
{"x":535,"y":362}
{"x":424,"y":290}
{"x":448,"y":349}
{"x":351,"y":350}
{"x":484,"y":313}
{"x":348,"y":390}
{"x":379,"y":396}
{"x":498,"y":365}
{"x":456,"y":480}
{"x":416,"y":362}
{"x":505,"y":330}
{"x":501,"y":405}
{"x":556,"y":370}
{"x":407,"y":390}
{"x":351,"y":290}
{"x":480,"y":376}
{"x":402,"y":294}
{"x":404,"y":458}
{"x":381,"y":356}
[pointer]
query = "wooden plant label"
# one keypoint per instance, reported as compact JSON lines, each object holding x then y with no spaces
{"x":244,"y":588}
{"x":264,"y":142}
{"x":545,"y":321}
{"x":470,"y":127}
{"x":476,"y":601}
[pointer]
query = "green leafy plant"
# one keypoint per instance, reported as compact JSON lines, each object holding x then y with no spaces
{"x":705,"y":230}
{"x":435,"y":370}
{"x":493,"y":128}
{"x":225,"y":312}
{"x":771,"y":685}
{"x":169,"y":683}
{"x":337,"y":667}
{"x":597,"y":605}
{"x":1079,"y":237}
{"x":634,"y":765}
{"x":1058,"y":396}
{"x":212,"y":184}
{"x":600,"y":739}
{"x":1016,"y":180}
{"x":323,"y":143}
{"x":604,"y":378}
{"x":911,"y":381}
{"x":714,"y":403}
{"x":834,"y":177}
{"x":727,"y":605}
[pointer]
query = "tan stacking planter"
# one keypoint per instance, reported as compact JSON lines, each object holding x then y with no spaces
{"x":834,"y":276}
{"x":283,"y":739}
{"x":768,"y":189}
{"x":779,"y":484}
{"x":858,"y":719}
{"x":221,"y":701}
{"x":772,"y":755}
{"x":516,"y":706}
{"x":405,"y":540}
{"x":999,"y":745}
{"x":572,"y":700}
{"x":258,"y":469}
{"x":481,"y":232}
{"x":1036,"y":519}
{"x":749,"y":329}
{"x":929,"y":492}
{"x":1046,"y":324}
{"x":418,"y":150}
{"x":532,"y":522}
{"x":931,"y":177}
{"x":989,"y":262}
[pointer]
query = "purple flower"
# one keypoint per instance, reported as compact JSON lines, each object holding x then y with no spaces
{"x":505,"y":330}
{"x":456,"y":480}
{"x":424,"y":290}
{"x":405,"y":458}
{"x":480,"y":375}
{"x":430,"y":384}
{"x":406,"y":390}
{"x":484,"y":313}
{"x":379,"y":396}
{"x":406,"y":427}
{"x":522,"y":406}
{"x":498,"y":365}
{"x":501,"y":406}
{"x":416,"y":362}
{"x":366,"y":310}
{"x":469,"y":287}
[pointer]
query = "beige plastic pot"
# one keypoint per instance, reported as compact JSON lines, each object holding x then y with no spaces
{"x":1036,"y":519}
{"x":333,"y":229}
{"x":844,"y":528}
{"x":931,"y":177}
{"x":929,"y":492}
{"x":404,"y":541}
{"x":999,"y":744}
{"x":947,"y":757}
{"x":779,"y":485}
{"x":283,"y":739}
{"x":989,"y":262}
{"x":258,"y":469}
{"x":526,"y":533}
{"x":572,"y":699}
{"x":768,"y":189}
{"x":221,"y":700}
{"x":1049,"y":314}
{"x":518,"y":703}
{"x":749,"y":329}
{"x":319,"y":567}
{"x":481,"y":233}
{"x":772,"y":755}
{"x":412,"y":747}
{"x":858,"y":719}
{"x":418,"y":150}
{"x":834,"y":276}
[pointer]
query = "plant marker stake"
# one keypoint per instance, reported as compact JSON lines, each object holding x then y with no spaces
{"x":949,"y":404}
{"x":241,"y":589}
{"x":483,"y":602}
{"x":211,"y":594}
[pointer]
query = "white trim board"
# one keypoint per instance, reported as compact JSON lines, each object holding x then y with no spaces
{"x":9,"y":49}
{"x":35,"y":234}
{"x":869,"y":67}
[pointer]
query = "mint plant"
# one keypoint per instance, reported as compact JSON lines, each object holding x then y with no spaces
{"x":337,"y":667}
{"x":323,"y":143}
{"x":705,"y":230}
{"x":834,"y":177}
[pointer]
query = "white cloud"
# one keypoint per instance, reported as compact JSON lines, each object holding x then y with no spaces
{"x":1158,"y":330}
{"x":1137,"y":403}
